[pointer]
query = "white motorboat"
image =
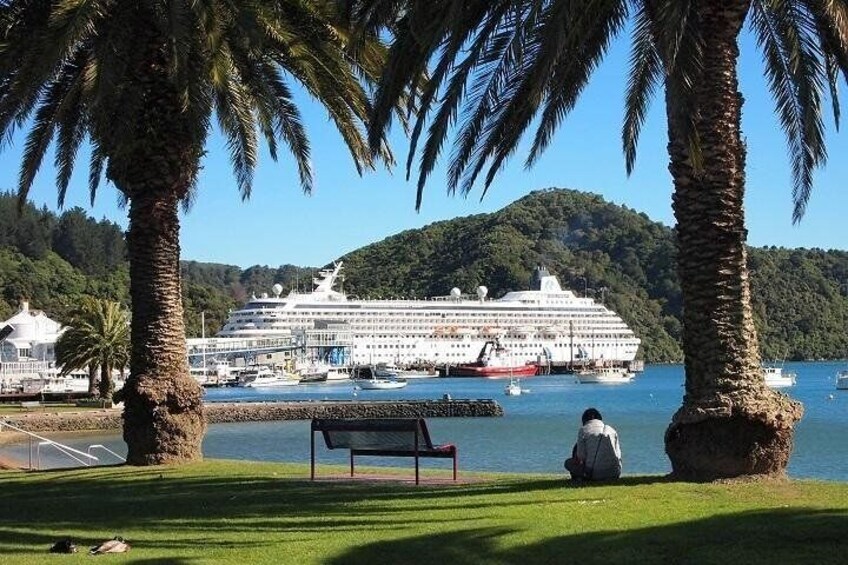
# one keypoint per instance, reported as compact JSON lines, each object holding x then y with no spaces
{"x":263,"y":376}
{"x":776,"y":378}
{"x":378,"y":383}
{"x":514,"y":388}
{"x":842,"y":380}
{"x":420,"y":374}
{"x":338,"y":373}
{"x":605,"y":375}
{"x":385,"y":371}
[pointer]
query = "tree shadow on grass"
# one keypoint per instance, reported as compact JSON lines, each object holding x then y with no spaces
{"x":172,"y":511}
{"x":36,"y":510}
{"x":768,"y":537}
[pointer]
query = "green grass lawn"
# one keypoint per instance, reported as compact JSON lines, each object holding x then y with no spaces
{"x":245,"y":513}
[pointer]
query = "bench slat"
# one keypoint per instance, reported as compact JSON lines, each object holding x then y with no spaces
{"x":373,"y":439}
{"x":438,"y":453}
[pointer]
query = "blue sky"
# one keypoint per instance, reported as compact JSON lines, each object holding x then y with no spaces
{"x":280,"y":225}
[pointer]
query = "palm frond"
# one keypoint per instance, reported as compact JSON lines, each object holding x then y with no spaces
{"x":421,"y":27}
{"x":288,"y":125}
{"x":787,"y":33}
{"x":491,"y":15}
{"x":599,"y":22}
{"x":95,"y":169}
{"x":645,"y":73}
{"x":678,"y":40}
{"x":57,"y":102}
{"x":502,"y":50}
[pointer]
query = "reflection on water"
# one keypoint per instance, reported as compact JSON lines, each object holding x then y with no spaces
{"x":538,"y":428}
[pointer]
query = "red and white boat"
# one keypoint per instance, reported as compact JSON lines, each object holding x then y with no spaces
{"x":494,"y":361}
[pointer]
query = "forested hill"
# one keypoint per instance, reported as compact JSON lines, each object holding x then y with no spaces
{"x":53,"y":259}
{"x":620,"y":256}
{"x":801,"y":296}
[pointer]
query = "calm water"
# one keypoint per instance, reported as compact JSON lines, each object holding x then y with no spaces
{"x":538,"y":428}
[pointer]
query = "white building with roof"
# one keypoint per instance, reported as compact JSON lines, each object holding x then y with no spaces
{"x":29,"y":336}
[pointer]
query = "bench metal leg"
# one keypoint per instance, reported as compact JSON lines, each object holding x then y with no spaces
{"x":455,"y":454}
{"x":351,"y":463}
{"x":312,"y":451}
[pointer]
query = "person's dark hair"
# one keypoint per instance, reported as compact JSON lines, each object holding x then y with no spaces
{"x":591,"y":414}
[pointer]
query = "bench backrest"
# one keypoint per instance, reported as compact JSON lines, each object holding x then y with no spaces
{"x":374,"y":433}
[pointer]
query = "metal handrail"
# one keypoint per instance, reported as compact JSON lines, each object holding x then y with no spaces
{"x":61,"y":449}
{"x":66,"y":449}
{"x":107,"y":450}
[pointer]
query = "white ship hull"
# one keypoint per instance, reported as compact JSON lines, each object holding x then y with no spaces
{"x":545,"y":324}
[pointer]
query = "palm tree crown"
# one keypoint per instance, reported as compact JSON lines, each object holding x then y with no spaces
{"x":97,"y":335}
{"x":70,"y":70}
{"x":143,"y":81}
{"x":499,"y":66}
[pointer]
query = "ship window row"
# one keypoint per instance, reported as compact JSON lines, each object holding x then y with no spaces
{"x":465,"y":318}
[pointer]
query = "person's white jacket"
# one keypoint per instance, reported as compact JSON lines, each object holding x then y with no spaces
{"x":597,"y":446}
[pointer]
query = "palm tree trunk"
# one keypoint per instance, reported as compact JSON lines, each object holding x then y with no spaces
{"x":730,"y":423}
{"x":105,"y":382}
{"x":163,"y":416}
{"x":93,"y":385}
{"x":163,"y":413}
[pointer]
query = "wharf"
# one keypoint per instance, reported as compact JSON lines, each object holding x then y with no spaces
{"x":42,"y":396}
{"x":231,"y":412}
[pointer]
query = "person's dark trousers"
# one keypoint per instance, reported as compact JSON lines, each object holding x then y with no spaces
{"x":575,"y":466}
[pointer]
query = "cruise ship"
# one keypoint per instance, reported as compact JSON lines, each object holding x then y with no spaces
{"x":543,"y":324}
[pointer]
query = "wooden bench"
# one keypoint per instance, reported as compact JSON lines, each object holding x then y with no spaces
{"x":375,"y":437}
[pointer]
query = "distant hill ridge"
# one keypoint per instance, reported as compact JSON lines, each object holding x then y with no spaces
{"x":616,"y":254}
{"x":800,"y":296}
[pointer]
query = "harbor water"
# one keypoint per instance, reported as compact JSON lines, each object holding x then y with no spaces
{"x":539,"y":427}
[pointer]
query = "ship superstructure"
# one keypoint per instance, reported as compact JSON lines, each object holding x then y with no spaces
{"x":544,"y":323}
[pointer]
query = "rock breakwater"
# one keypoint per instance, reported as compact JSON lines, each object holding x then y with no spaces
{"x":221,"y":413}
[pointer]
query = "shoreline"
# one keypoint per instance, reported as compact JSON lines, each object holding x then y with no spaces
{"x":235,"y":412}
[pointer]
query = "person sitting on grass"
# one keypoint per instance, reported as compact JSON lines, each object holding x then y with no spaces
{"x":597,"y":455}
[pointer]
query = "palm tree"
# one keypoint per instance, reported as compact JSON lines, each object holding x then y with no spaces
{"x":97,"y":337}
{"x":499,"y":67}
{"x":141,"y":82}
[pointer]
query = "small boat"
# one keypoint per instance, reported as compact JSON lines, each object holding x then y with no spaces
{"x":338,"y":374}
{"x":776,"y":378}
{"x":312,"y":372}
{"x":494,"y":361}
{"x":605,"y":375}
{"x":379,"y":383}
{"x":263,"y":376}
{"x":385,"y":371}
{"x":514,"y":388}
{"x":842,"y":380}
{"x":417,"y":374}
